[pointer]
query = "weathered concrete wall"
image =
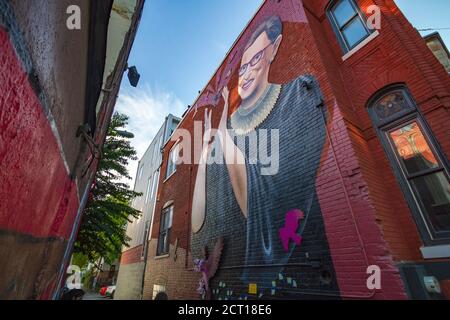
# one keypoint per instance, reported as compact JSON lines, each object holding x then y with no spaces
{"x":39,"y":200}
{"x":129,"y":281}
{"x":43,"y":88}
{"x":59,"y":58}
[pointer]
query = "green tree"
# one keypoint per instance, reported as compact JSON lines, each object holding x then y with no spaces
{"x":80,"y":260}
{"x":103,"y":228}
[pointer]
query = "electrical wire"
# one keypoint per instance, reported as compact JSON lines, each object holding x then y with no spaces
{"x":431,"y":29}
{"x":350,"y":207}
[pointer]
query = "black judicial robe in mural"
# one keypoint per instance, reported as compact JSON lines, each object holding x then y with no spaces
{"x":253,"y":251}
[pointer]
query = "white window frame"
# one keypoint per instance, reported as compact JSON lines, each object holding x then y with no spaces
{"x":172,"y":161}
{"x":346,"y":47}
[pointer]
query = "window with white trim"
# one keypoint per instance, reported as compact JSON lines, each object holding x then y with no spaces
{"x":348,"y":23}
{"x":165,"y":225}
{"x":172,"y":161}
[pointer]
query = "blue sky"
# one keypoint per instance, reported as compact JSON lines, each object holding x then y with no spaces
{"x":428,"y":14}
{"x":180,"y":44}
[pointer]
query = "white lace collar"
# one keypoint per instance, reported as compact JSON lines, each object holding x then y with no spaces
{"x":243,"y":121}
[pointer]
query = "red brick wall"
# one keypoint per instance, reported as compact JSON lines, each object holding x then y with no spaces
{"x":366,"y":218}
{"x":132,"y":255}
{"x":398,"y":54}
{"x":179,"y":282}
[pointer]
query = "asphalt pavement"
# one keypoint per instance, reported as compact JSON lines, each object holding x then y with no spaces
{"x":94,"y":296}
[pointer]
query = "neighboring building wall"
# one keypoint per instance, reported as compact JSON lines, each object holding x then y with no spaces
{"x":169,"y":274}
{"x":45,"y":96}
{"x":439,"y":49}
{"x":359,"y":215}
{"x":129,"y":280}
{"x":129,"y":284}
{"x":108,"y":274}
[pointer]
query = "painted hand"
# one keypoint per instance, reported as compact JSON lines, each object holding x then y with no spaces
{"x":207,"y":124}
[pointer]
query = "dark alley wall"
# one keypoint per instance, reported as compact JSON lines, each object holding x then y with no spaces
{"x":46,"y":166}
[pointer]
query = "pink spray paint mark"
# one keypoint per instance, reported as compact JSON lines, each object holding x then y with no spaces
{"x":289,"y":231}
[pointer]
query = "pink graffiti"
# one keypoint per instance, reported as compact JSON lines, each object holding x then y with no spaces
{"x":289,"y":231}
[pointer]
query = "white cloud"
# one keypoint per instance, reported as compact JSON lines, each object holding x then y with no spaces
{"x":146,"y":108}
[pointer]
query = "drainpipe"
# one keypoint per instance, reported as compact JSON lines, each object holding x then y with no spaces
{"x":72,"y":239}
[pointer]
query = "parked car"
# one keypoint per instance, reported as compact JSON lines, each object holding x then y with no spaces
{"x":103,"y":291}
{"x":110,"y":291}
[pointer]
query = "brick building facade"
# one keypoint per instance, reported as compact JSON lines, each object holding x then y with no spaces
{"x":363,"y":177}
{"x":58,"y":88}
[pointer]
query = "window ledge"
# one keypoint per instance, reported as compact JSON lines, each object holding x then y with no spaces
{"x":435,"y":252}
{"x":372,"y":36}
{"x":169,"y":176}
{"x":162,"y":256}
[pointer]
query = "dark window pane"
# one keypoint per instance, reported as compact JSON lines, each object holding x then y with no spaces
{"x":163,"y":222}
{"x":391,"y":104}
{"x":166,"y":242}
{"x":343,"y":12}
{"x":354,"y":32}
{"x":413,"y":149}
{"x":161,"y":244}
{"x":169,"y":217}
{"x":433,"y":191}
{"x":167,"y":220}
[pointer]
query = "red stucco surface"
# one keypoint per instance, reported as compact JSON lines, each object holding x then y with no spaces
{"x":37,"y":196}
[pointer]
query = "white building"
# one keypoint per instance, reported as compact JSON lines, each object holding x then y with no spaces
{"x":132,"y":264}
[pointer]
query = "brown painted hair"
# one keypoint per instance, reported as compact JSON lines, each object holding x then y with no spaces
{"x":271,"y":26}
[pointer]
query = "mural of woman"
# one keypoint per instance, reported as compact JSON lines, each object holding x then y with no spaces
{"x":241,"y":190}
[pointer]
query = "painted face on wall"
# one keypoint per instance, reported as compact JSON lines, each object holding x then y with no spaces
{"x":255,"y":66}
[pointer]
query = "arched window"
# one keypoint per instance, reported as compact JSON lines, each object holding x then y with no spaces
{"x":418,"y":164}
{"x":348,"y":22}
